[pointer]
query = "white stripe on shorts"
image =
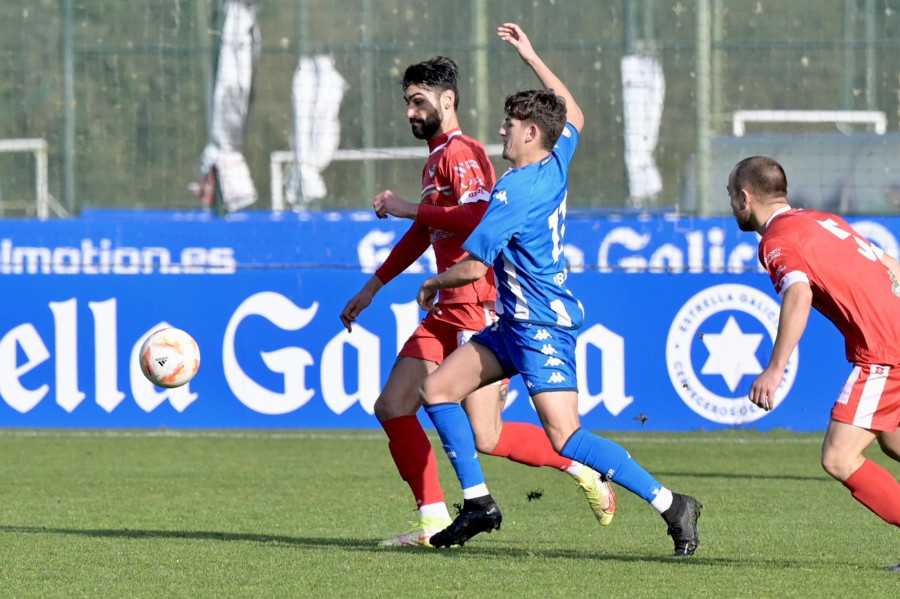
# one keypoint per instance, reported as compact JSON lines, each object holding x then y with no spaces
{"x":844,"y":397}
{"x":871,"y":395}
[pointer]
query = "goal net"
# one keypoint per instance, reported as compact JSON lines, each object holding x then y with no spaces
{"x":17,"y":197}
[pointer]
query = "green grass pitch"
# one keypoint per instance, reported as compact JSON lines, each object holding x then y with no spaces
{"x":298,"y":514}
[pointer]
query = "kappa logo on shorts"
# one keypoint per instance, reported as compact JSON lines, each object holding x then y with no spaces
{"x":542,"y":335}
{"x":551,"y":361}
{"x":548,"y":350}
{"x":556,"y":377}
{"x":715,"y":347}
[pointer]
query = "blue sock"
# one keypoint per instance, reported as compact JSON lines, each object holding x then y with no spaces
{"x":612,"y":460}
{"x":456,"y":434}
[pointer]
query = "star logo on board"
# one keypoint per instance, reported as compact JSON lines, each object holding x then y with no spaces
{"x":748,"y":324}
{"x":732,"y":353}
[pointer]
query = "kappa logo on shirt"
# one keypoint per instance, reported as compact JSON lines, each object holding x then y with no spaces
{"x":500,"y":196}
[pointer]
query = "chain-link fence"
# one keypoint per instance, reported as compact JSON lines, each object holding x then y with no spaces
{"x":121,"y":93}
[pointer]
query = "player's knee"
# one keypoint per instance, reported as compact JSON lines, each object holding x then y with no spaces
{"x":387,"y":407}
{"x":836,"y":464}
{"x":428,"y":393}
{"x":382,"y":409}
{"x":486,"y":441}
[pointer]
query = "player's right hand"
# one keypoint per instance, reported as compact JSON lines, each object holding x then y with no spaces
{"x":426,"y":298}
{"x":380,"y":203}
{"x":357,"y":304}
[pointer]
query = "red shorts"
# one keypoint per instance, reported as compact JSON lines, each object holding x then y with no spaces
{"x":439,"y":334}
{"x":870,"y":398}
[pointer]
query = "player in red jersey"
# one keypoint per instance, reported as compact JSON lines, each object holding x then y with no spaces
{"x":816,"y":259}
{"x":456,"y":186}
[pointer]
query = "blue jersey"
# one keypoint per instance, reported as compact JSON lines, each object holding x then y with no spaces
{"x":521,"y":235}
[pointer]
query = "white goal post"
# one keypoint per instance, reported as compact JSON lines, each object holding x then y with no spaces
{"x":279,"y":159}
{"x":872,"y":117}
{"x":38,"y":147}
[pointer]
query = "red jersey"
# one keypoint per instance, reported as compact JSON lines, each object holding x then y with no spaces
{"x":456,"y":187}
{"x":850,"y":284}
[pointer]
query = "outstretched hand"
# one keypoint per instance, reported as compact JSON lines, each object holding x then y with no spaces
{"x":512,"y":33}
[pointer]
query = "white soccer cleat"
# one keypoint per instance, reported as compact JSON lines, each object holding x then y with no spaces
{"x":420,"y":535}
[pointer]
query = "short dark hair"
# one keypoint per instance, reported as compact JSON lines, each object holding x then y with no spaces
{"x":761,"y":174}
{"x":437,"y":74}
{"x":543,"y":108}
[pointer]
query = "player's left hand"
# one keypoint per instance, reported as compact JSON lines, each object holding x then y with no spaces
{"x":512,"y":33}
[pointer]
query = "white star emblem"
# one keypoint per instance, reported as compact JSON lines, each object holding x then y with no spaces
{"x":732,"y":353}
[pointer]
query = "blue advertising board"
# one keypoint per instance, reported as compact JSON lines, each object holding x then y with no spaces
{"x":679,"y":320}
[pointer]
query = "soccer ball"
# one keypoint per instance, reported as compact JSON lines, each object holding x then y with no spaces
{"x":169,"y":357}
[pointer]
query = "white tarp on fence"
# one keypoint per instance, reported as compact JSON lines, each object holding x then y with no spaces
{"x":317,"y":92}
{"x":643,"y":95}
{"x":230,"y":110}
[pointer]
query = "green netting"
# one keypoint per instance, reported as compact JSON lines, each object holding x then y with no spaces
{"x":140,"y":75}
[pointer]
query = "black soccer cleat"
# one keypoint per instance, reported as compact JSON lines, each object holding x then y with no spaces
{"x":682,"y":518}
{"x":471,"y":520}
{"x":892,"y":568}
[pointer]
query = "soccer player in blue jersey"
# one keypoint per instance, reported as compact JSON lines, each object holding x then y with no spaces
{"x":521,"y":235}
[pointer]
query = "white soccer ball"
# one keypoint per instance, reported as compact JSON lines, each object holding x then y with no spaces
{"x":169,"y":357}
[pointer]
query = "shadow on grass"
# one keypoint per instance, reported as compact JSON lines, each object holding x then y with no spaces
{"x":367,"y":545}
{"x":744,"y":476}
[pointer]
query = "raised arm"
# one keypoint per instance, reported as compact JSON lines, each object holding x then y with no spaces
{"x":512,"y":33}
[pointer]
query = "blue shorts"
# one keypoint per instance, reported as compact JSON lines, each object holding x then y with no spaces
{"x":544,"y":355}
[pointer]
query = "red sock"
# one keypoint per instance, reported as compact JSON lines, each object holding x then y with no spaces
{"x":875,"y":488}
{"x":414,"y":457}
{"x":528,"y":444}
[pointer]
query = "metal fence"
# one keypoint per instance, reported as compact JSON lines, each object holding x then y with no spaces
{"x":120,"y":91}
